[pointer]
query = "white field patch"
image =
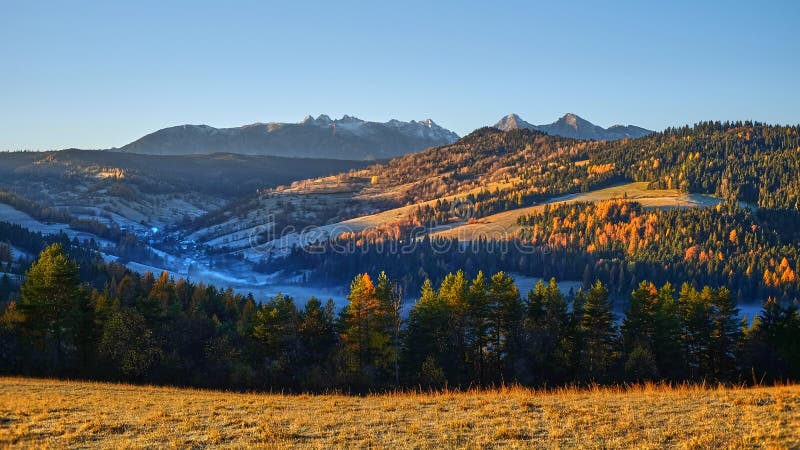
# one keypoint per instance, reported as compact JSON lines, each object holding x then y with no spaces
{"x":159,"y":211}
{"x":12,"y":215}
{"x":17,"y":252}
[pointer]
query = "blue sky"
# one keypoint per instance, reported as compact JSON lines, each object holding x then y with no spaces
{"x":101,"y":74}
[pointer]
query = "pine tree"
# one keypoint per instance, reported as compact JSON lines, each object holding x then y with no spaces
{"x":317,"y":335}
{"x":426,"y":336}
{"x":547,"y":343}
{"x":695,"y":330}
{"x":666,"y":344}
{"x":390,"y":301}
{"x":51,"y":302}
{"x":478,"y":325}
{"x":276,"y":331}
{"x":598,"y":333}
{"x":772,"y":348}
{"x":506,"y":312}
{"x":725,"y":333}
{"x":646,"y":330}
{"x":454,"y":293}
{"x":365,"y":334}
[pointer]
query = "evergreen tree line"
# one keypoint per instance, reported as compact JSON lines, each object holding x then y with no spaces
{"x":461,"y":332}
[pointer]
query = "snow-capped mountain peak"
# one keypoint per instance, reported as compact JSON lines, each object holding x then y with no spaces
{"x":573,"y":126}
{"x":323,"y":119}
{"x":512,"y":122}
{"x":571,"y":120}
{"x":345,"y":138}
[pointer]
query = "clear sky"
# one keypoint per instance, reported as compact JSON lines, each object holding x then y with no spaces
{"x":101,"y":74}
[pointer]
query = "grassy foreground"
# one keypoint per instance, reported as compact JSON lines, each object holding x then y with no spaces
{"x":44,"y":413}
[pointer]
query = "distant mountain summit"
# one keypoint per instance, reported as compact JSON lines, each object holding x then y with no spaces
{"x":513,"y":122}
{"x":575,"y":127}
{"x":323,"y":137}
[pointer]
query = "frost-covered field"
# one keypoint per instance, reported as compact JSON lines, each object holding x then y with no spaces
{"x":11,"y":215}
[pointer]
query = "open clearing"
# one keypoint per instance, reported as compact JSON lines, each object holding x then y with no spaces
{"x":43,"y":413}
{"x":285,"y":241}
{"x":504,"y":225}
{"x":497,"y":226}
{"x":501,"y":225}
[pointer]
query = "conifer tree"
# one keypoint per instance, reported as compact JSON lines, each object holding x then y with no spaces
{"x":666,"y":338}
{"x":426,"y":336}
{"x":506,"y":312}
{"x":390,"y":299}
{"x":598,"y":333}
{"x":725,"y":333}
{"x":276,"y":331}
{"x":478,"y":323}
{"x":695,"y":330}
{"x":318,"y":339}
{"x":454,"y":293}
{"x":547,"y":345}
{"x":51,"y":302}
{"x":366,"y":335}
{"x":640,"y":329}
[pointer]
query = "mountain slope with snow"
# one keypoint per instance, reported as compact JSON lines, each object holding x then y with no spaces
{"x":575,"y":127}
{"x":323,"y":137}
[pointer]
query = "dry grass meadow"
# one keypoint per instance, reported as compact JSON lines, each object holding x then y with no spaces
{"x":57,"y":414}
{"x":504,"y":224}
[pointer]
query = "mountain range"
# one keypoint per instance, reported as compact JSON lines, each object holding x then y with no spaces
{"x":322,"y":137}
{"x":346,"y":138}
{"x":575,"y":127}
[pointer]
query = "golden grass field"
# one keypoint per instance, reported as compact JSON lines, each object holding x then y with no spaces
{"x":58,"y":414}
{"x":504,"y":224}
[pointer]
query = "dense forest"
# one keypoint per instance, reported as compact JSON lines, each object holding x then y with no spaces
{"x":754,"y":252}
{"x":478,"y":331}
{"x":737,"y":161}
{"x":750,"y":167}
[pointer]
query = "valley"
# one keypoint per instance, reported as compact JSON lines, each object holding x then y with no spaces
{"x":518,"y":225}
{"x":254,"y":250}
{"x":219,"y":218}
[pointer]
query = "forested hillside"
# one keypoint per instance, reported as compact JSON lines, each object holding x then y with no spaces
{"x":749,"y":242}
{"x":490,"y":171}
{"x":476,"y":330}
{"x":750,"y":162}
{"x":741,"y":161}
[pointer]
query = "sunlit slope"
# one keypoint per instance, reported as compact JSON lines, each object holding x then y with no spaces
{"x":503,"y":225}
